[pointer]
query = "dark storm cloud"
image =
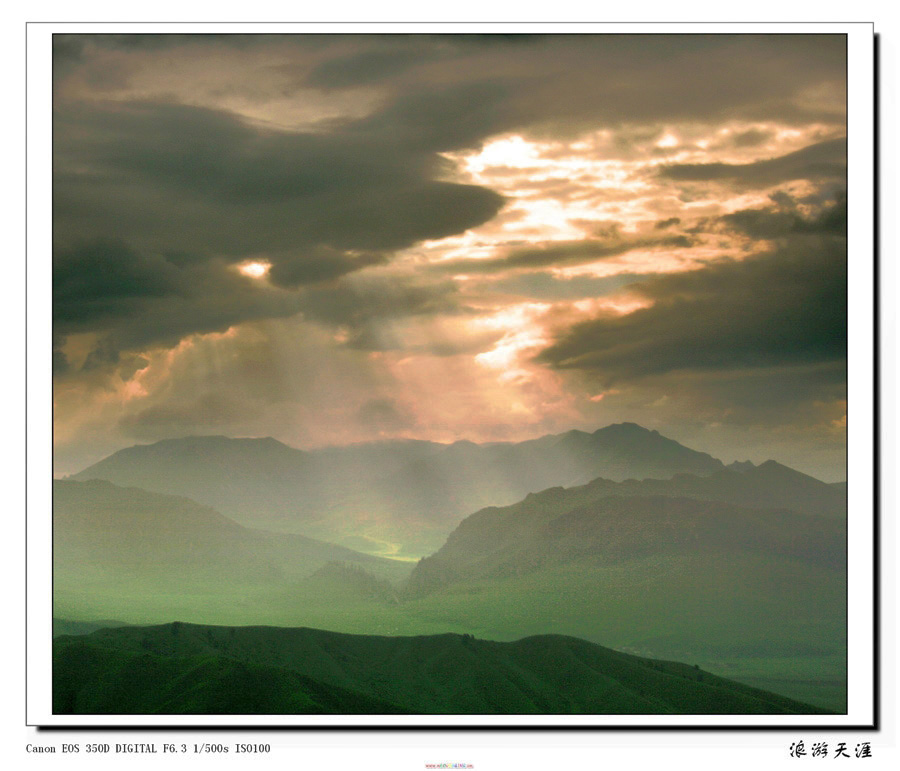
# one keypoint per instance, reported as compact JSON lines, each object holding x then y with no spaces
{"x":562,"y":253}
{"x":179,"y":192}
{"x":784,"y":308}
{"x":162,"y":42}
{"x":371,"y":66}
{"x":441,"y":118}
{"x":68,"y":51}
{"x":795,"y":396}
{"x":321,"y":263}
{"x":546,"y":286}
{"x":383,"y":57}
{"x":786,"y":219}
{"x":751,"y":138}
{"x":106,"y":279}
{"x":60,"y":363}
{"x":569,"y":82}
{"x":67,"y":45}
{"x":161,"y":197}
{"x":166,"y":176}
{"x":588,"y":251}
{"x":822,"y":161}
{"x":783,"y":400}
{"x":133,"y":299}
{"x":360,"y":300}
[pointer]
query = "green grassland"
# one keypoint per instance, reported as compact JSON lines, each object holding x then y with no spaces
{"x":753,"y":594}
{"x":773,"y":623}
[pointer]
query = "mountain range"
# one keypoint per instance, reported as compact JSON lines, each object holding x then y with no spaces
{"x":612,"y":522}
{"x":740,"y":568}
{"x":390,"y":498}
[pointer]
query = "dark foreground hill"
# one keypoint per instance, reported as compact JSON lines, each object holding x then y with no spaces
{"x":389,"y":496}
{"x":63,"y":626}
{"x":185,"y":668}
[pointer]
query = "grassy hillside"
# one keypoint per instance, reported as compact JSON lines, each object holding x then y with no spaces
{"x":107,"y":538}
{"x":753,"y":594}
{"x":779,"y":625}
{"x":559,"y":526}
{"x":185,"y":668}
{"x":88,"y":679}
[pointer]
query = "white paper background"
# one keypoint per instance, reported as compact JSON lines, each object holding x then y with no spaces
{"x":484,"y":749}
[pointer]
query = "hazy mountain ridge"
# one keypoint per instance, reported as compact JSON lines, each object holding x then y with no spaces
{"x":184,"y":668}
{"x":99,"y":525}
{"x":770,"y":485}
{"x":407,"y":492}
{"x":227,"y":474}
{"x":611,"y":521}
{"x":465,"y":475}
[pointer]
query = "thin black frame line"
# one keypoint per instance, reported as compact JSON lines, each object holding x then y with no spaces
{"x":26,"y":384}
{"x":846,"y":382}
{"x":876,"y":377}
{"x":395,"y":729}
{"x":473,"y":23}
{"x":876,"y":448}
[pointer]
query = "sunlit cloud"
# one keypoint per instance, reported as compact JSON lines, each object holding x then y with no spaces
{"x":522,"y":332}
{"x":278,"y":237}
{"x":255,"y":269}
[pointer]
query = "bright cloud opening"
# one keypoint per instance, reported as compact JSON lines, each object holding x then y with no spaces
{"x":255,"y":269}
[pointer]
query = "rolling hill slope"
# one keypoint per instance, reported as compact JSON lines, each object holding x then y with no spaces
{"x":101,"y":524}
{"x":126,"y":553}
{"x":185,"y":668}
{"x":753,"y":593}
{"x":559,"y":526}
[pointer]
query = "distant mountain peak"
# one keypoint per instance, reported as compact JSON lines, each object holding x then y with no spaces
{"x":265,"y":483}
{"x":773,"y":472}
{"x":195,"y":444}
{"x":463,"y":443}
{"x":626,"y":428}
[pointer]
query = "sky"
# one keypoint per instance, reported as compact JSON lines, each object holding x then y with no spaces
{"x":331,"y":239}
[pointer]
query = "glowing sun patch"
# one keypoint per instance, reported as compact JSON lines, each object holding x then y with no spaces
{"x":254,"y":269}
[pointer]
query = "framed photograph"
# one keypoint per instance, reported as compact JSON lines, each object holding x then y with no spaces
{"x":464,"y":375}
